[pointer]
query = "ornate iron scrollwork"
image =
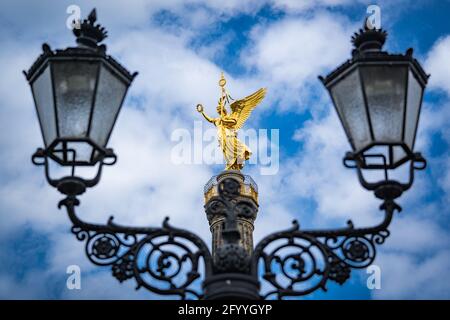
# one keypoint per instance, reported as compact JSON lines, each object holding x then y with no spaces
{"x":168,"y":260}
{"x":163,"y":260}
{"x":297,"y":262}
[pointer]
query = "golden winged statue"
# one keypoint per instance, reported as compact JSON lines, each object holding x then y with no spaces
{"x":234,"y":151}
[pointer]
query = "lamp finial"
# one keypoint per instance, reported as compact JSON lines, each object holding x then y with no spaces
{"x":88,"y":33}
{"x":369,"y":39}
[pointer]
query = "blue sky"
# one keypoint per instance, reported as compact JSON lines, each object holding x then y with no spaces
{"x":180,"y":48}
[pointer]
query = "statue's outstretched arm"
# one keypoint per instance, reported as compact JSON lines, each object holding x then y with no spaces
{"x":200,"y":109}
{"x":207,"y":118}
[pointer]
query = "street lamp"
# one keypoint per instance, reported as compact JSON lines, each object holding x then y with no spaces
{"x":378,"y":96}
{"x":78,"y":93}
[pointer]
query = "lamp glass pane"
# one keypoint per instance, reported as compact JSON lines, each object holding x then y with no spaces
{"x":385,"y":92}
{"x":74,"y":83}
{"x":349,"y":101}
{"x":72,"y":151}
{"x":43,"y":97}
{"x":412,"y":109}
{"x":83,"y":151}
{"x":110,"y":92}
{"x":399,"y":153}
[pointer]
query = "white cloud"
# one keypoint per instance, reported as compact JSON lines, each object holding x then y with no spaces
{"x":437,"y":64}
{"x":407,"y":277}
{"x":296,"y":6}
{"x":290,"y":54}
{"x":410,"y":234}
{"x":435,"y":123}
{"x":317,"y":173}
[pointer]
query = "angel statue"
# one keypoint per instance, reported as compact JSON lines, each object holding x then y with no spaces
{"x":234,"y":151}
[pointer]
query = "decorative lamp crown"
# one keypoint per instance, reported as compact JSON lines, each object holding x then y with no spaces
{"x":90,"y":34}
{"x":369,"y":39}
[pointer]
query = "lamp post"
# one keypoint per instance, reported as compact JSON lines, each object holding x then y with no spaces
{"x":78,"y":93}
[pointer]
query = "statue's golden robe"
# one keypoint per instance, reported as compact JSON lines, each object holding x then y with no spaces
{"x":235,"y":152}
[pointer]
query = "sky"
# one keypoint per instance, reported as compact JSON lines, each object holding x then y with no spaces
{"x":180,"y":49}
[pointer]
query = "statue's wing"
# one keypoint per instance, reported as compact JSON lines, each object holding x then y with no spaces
{"x":241,"y":109}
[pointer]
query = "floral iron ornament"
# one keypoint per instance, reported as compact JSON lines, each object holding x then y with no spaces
{"x":234,"y":151}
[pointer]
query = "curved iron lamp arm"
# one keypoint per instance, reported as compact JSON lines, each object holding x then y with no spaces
{"x":164,"y":260}
{"x":307,"y":259}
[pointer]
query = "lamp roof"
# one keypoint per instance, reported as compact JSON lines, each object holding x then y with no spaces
{"x":368,"y":45}
{"x":88,"y":36}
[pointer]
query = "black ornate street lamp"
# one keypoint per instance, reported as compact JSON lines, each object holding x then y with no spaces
{"x":78,"y":93}
{"x":378,"y":96}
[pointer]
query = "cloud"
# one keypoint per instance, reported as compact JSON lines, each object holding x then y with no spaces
{"x":437,"y":64}
{"x":300,"y":6}
{"x":316,"y":174}
{"x":407,"y":277}
{"x":434,"y":139}
{"x":289,"y":54}
{"x":410,"y":234}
